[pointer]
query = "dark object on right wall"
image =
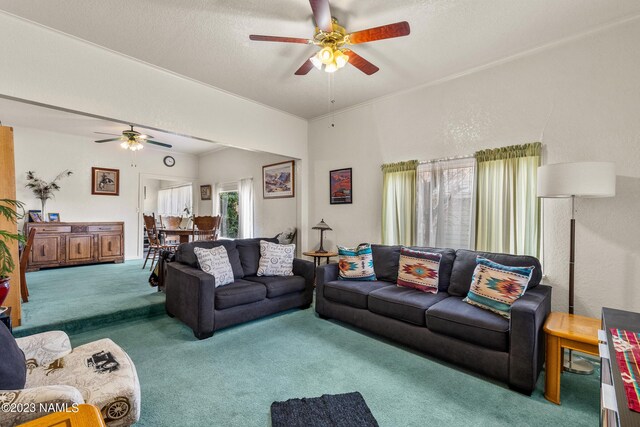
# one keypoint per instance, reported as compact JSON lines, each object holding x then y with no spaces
{"x":442,"y":324}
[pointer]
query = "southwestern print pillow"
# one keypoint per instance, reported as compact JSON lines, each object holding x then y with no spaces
{"x":275,"y":259}
{"x":419,"y":270}
{"x":215,"y":261}
{"x":495,"y":286}
{"x":356,"y":263}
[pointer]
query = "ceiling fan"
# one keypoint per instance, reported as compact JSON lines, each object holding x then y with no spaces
{"x":332,"y":38}
{"x":132,"y":139}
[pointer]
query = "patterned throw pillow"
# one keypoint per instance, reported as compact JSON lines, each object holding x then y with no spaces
{"x":356,"y":263}
{"x":215,"y":261}
{"x":419,"y":270}
{"x":275,"y":259}
{"x":495,"y":286}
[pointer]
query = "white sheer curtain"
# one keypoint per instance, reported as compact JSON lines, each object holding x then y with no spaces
{"x":172,"y":201}
{"x":245,"y":205}
{"x":446,"y":204}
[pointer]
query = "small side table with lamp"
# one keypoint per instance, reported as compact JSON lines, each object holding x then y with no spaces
{"x":321,"y":252}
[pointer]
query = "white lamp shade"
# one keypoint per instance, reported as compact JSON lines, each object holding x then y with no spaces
{"x":582,"y":179}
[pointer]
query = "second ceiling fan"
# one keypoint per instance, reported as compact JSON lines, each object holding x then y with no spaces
{"x":132,"y":140}
{"x":332,"y":38}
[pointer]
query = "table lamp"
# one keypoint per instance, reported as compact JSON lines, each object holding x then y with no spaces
{"x":322,"y":226}
{"x":581,"y":179}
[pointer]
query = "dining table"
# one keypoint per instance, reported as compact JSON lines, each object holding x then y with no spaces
{"x":184,"y":233}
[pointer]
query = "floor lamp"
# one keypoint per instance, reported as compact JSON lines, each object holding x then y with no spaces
{"x":583,"y":179}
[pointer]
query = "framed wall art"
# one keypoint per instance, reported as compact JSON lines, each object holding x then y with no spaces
{"x":341,"y":186}
{"x":205,"y":192}
{"x":278,"y":180}
{"x":105,"y":182}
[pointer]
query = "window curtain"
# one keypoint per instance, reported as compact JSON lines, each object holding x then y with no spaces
{"x":399,"y":203}
{"x":446,"y":204}
{"x":172,"y":201}
{"x":245,"y":206}
{"x":508,"y":211}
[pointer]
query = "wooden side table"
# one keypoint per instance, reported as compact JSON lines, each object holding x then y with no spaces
{"x":569,"y":331}
{"x":85,"y":416}
{"x":317,"y":256}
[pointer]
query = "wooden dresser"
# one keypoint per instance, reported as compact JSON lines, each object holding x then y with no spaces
{"x":58,"y":244}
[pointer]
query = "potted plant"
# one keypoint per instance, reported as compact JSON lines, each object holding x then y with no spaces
{"x":8,"y":210}
{"x":44,"y":190}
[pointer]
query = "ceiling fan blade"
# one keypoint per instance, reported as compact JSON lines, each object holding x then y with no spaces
{"x":107,"y":140}
{"x":305,"y":68}
{"x":144,"y":136}
{"x":399,"y":29}
{"x":161,"y":144}
{"x":322,"y":14}
{"x":279,"y":39}
{"x":106,"y":133}
{"x":360,"y":63}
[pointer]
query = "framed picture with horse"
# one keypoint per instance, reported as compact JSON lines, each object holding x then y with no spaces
{"x":105,"y":182}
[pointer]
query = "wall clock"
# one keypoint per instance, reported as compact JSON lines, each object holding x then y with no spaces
{"x":169,"y":161}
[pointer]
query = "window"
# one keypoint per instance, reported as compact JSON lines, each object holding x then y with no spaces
{"x":229,"y":213}
{"x":174,"y":201}
{"x":445,"y":204}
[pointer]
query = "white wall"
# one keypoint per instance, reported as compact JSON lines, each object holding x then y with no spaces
{"x":40,"y":64}
{"x":585,"y":95}
{"x":151,"y":200}
{"x":270,"y":216}
{"x":48,"y":153}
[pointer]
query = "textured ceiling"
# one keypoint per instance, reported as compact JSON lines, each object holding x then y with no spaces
{"x":20,"y":114}
{"x":208,"y":40}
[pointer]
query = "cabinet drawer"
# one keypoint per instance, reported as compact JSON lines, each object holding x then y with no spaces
{"x":109,"y":246}
{"x":52,"y":228}
{"x":45,"y":249}
{"x":79,"y":247}
{"x":113,"y":227}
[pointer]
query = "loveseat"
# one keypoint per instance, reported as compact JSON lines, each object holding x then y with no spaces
{"x":442,"y":324}
{"x":193,"y":298}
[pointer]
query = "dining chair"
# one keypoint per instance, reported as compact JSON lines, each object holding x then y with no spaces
{"x":171,"y":223}
{"x":155,"y":242}
{"x":206,"y":227}
{"x":24,"y":259}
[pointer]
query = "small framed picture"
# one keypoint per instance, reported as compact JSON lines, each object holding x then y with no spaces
{"x":341,"y":186}
{"x":54,"y":217}
{"x":35,"y":216}
{"x":205,"y":192}
{"x":105,"y":182}
{"x":278,"y":180}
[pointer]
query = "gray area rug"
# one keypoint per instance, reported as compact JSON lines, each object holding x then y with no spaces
{"x":329,"y":410}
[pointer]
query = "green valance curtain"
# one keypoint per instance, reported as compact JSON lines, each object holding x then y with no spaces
{"x":508,"y":210}
{"x":399,"y":203}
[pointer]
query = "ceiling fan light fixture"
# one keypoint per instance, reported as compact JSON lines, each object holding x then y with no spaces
{"x":331,"y":68}
{"x":326,"y":55}
{"x":340,"y":58}
{"x":316,"y":61}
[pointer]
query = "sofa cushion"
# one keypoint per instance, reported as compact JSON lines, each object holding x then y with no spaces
{"x":408,"y":305}
{"x":495,"y":286}
{"x":352,"y":292}
{"x":249,"y":251}
{"x":276,"y":259}
{"x":186,"y":255}
{"x":356,"y":263}
{"x":385,"y":262}
{"x":456,"y":318}
{"x":239,"y":292}
{"x":215,"y":261}
{"x":419,"y":270}
{"x":13,"y":368}
{"x":446,"y":264}
{"x":279,"y":285}
{"x":465,"y":264}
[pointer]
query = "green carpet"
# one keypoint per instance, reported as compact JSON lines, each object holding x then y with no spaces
{"x":79,"y":298}
{"x":232,"y":378}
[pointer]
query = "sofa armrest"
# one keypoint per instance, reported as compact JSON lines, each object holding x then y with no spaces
{"x":324,"y":274}
{"x":305,"y":269}
{"x":526,"y":353}
{"x":45,"y":347}
{"x":190,"y":297}
{"x":20,"y":406}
